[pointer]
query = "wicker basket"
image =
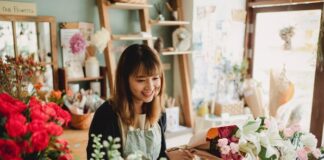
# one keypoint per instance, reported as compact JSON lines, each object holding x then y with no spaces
{"x":81,"y":121}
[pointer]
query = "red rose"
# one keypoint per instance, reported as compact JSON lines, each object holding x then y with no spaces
{"x":9,"y":105}
{"x":49,"y":109}
{"x":54,"y":129}
{"x":36,"y":126}
{"x":39,"y":140}
{"x":15,"y":125}
{"x":227,"y":131}
{"x":9,"y":150}
{"x":25,"y":147}
{"x":63,"y":117}
{"x":38,"y":114}
{"x":63,"y":145}
{"x":34,"y":103}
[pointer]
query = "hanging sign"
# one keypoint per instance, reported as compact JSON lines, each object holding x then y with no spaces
{"x":17,"y":8}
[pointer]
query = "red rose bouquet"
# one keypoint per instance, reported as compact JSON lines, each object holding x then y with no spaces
{"x":30,"y":130}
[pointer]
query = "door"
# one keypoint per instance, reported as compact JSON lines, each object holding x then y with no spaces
{"x":283,"y":58}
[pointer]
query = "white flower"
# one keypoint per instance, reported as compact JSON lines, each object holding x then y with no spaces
{"x":234,"y":147}
{"x":100,"y":39}
{"x":309,"y":140}
{"x":270,"y":139}
{"x":287,"y":151}
{"x":249,"y":141}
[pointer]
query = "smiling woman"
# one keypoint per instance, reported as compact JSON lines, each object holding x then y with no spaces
{"x":135,"y":111}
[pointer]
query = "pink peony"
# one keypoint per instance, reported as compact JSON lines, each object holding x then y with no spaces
{"x":77,"y":43}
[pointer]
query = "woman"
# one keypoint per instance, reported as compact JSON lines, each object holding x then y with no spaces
{"x":134,"y":113}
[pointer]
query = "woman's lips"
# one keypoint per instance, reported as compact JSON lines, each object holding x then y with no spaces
{"x":147,"y":94}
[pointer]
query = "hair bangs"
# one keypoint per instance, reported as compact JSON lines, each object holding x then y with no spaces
{"x":148,"y":69}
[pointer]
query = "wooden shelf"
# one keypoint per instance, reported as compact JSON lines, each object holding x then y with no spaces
{"x":84,"y":79}
{"x":168,"y":23}
{"x":131,"y":37}
{"x":65,"y":81}
{"x":128,"y":6}
{"x":166,"y":53}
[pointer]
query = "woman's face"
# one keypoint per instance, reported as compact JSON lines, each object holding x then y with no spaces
{"x":144,"y":88}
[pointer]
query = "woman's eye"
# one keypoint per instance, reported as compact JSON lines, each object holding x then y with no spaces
{"x":140,"y":80}
{"x":156,"y":78}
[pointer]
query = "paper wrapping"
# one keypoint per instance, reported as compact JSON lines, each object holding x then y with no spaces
{"x":253,"y":98}
{"x":280,"y":92}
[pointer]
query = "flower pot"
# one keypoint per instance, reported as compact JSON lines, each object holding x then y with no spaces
{"x":81,"y":121}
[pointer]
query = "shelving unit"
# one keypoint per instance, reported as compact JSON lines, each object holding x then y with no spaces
{"x":145,"y":24}
{"x":167,"y":53}
{"x":131,"y":37}
{"x":65,"y":81}
{"x":103,"y":7}
{"x":182,"y":57}
{"x":168,"y":23}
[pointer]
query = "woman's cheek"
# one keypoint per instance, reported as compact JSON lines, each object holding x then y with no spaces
{"x":157,"y":90}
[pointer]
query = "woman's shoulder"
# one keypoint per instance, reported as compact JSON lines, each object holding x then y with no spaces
{"x":106,"y":109}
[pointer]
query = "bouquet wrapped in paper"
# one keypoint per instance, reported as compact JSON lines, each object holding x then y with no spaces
{"x":253,"y":97}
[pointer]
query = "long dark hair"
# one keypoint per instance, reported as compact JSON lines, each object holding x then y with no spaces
{"x":136,"y":58}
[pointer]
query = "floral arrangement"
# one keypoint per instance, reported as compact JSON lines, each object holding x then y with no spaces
{"x":263,"y":139}
{"x":77,"y":43}
{"x":286,"y":34}
{"x":30,"y":130}
{"x":111,"y":145}
{"x":16,"y":73}
{"x":99,"y":40}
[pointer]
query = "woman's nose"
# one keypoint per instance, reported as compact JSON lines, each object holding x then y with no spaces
{"x":149,"y":85}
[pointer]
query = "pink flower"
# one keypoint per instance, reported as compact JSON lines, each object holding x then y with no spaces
{"x":288,"y":132}
{"x":222,"y":142}
{"x":77,"y":43}
{"x":302,"y":154}
{"x":225,"y":149}
{"x":316,"y":153}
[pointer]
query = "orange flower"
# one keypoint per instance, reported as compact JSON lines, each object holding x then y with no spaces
{"x":38,"y":86}
{"x":56,"y":94}
{"x":212,"y":133}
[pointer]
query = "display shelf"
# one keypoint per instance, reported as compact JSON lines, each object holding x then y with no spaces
{"x":65,"y":81}
{"x":167,"y":53}
{"x":128,"y":6}
{"x":168,"y":23}
{"x":131,"y":37}
{"x":84,"y":79}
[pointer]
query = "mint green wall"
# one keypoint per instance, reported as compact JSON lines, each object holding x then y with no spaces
{"x":86,"y":11}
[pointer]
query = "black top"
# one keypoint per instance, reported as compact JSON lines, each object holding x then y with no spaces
{"x":105,"y":122}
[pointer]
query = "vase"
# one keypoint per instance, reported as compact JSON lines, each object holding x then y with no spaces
{"x":92,"y":67}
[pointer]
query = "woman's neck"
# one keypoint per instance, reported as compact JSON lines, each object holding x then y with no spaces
{"x":138,"y":106}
